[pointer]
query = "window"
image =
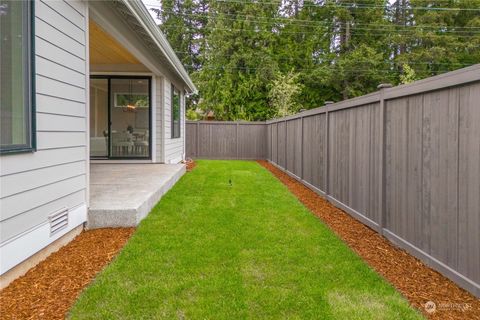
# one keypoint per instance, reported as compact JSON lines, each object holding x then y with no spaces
{"x":175,"y":113}
{"x":16,"y":84}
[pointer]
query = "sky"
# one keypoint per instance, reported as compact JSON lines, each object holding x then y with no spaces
{"x":149,"y":4}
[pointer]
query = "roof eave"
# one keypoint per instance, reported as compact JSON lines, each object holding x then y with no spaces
{"x":141,"y":13}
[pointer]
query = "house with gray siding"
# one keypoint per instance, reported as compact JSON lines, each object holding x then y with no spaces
{"x":84,"y":85}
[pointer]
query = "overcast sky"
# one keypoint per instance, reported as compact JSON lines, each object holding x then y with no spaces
{"x":149,"y":4}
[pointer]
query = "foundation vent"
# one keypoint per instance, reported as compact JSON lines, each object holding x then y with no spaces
{"x":58,"y":221}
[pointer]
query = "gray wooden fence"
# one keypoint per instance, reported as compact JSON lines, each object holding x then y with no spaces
{"x":405,"y":161}
{"x":226,"y":140}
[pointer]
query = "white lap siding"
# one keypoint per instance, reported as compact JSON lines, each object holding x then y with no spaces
{"x":35,"y":185}
{"x":174,"y":148}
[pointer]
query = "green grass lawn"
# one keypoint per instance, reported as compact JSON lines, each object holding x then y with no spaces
{"x":250,"y":250}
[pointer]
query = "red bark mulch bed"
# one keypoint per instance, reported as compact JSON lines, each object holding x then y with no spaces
{"x":190,"y":164}
{"x":416,"y":281}
{"x":48,"y":290}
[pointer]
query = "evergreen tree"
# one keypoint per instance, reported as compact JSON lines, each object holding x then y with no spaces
{"x":240,"y":53}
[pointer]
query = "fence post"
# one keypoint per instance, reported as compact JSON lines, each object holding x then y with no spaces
{"x":197,"y":138}
{"x":301,"y":152}
{"x":326,"y":148}
{"x":286,"y":135}
{"x":381,"y":205}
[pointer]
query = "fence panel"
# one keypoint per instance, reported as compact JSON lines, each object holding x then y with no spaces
{"x":252,"y":141}
{"x":269,"y":142}
{"x":226,"y":140}
{"x":294,"y":147}
{"x":469,"y":182}
{"x":404,"y":161}
{"x":191,"y":142}
{"x":274,"y":142}
{"x":281,"y":143}
{"x":434,"y":139}
{"x":354,"y":153}
{"x":217,"y":140}
{"x":314,"y":144}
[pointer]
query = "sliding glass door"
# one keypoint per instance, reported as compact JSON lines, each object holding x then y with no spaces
{"x":128,"y":112}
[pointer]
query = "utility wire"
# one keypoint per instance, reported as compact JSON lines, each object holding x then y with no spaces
{"x":289,"y":59}
{"x":353,"y":30}
{"x":348,"y":70}
{"x":343,"y":6}
{"x":351,"y":6}
{"x":308,"y":23}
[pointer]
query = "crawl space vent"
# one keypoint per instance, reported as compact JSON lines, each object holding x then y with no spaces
{"x":58,"y":221}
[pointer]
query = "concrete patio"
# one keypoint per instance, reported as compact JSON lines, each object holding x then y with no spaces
{"x":121,"y":195}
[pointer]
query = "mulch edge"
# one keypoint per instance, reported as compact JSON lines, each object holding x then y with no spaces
{"x":417,"y":282}
{"x":49,"y":289}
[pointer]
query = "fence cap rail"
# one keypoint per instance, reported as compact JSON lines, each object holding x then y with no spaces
{"x":329,"y":107}
{"x":445,"y":80}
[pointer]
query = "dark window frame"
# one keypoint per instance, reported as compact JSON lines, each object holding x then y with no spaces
{"x":172,"y":118}
{"x":30,"y":91}
{"x":150,"y":116}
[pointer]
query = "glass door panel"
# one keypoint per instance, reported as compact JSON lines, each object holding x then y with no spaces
{"x":99,"y":118}
{"x":130,"y":118}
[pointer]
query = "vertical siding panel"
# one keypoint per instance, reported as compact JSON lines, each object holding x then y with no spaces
{"x":281,"y":126}
{"x":389,"y":177}
{"x":374,"y":163}
{"x":290,"y":146}
{"x":452,"y":179}
{"x":320,"y":129}
{"x":351,"y":143}
{"x":275,"y":143}
{"x":294,"y":147}
{"x":414,"y":170}
{"x":469,"y":188}
{"x":313,"y":149}
{"x":396,"y":160}
{"x":298,"y":148}
{"x":361,"y":161}
{"x":439,"y":174}
{"x":269,"y":140}
{"x":332,"y":154}
{"x":308,"y":149}
{"x":335,"y":145}
{"x":426,"y":173}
